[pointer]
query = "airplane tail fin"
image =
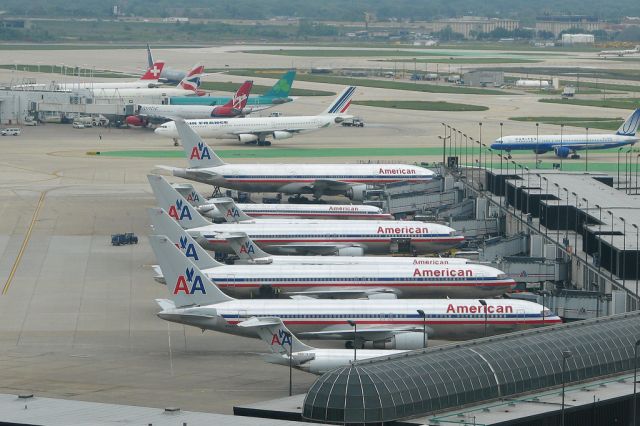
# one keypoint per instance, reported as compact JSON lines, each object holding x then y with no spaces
{"x":240,"y":98}
{"x":163,"y":224}
{"x":342,"y":102}
{"x":281,"y":89}
{"x":191,"y":81}
{"x":198,"y":153}
{"x":186,"y":284}
{"x":276,"y":335}
{"x":149,"y":56}
{"x":229,"y":210}
{"x":174,"y":204}
{"x":244,"y":247}
{"x":630,"y":125}
{"x":153,"y":72}
{"x":190,"y":194}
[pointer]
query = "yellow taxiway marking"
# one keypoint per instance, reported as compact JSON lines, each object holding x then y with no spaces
{"x":27,"y":236}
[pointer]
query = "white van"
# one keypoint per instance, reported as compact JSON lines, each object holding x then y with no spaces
{"x":11,"y":131}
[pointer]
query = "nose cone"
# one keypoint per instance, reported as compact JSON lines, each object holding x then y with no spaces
{"x":497,"y":144}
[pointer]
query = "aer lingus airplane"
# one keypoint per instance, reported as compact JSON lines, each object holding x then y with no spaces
{"x":567,"y":145}
{"x":350,"y":180}
{"x":194,"y":300}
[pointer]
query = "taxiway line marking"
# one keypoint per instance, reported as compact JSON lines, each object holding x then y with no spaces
{"x":25,"y":242}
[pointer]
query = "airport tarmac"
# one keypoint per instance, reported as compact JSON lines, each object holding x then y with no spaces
{"x":77,"y":316}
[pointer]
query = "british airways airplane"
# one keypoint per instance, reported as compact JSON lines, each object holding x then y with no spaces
{"x":351,"y":279}
{"x":194,"y":300}
{"x":567,"y":145}
{"x":350,"y":180}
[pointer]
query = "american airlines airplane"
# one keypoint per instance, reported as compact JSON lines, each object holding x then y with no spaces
{"x":567,"y":145}
{"x":256,"y":129}
{"x":353,"y":279}
{"x":284,"y":211}
{"x":350,"y":180}
{"x":285,"y":345}
{"x":188,"y":86}
{"x":350,"y":238}
{"x":157,"y":113}
{"x":194,"y":300}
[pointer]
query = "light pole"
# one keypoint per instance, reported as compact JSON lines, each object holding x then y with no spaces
{"x":537,"y":142}
{"x":597,"y":287}
{"x":484,"y":303}
{"x":480,"y":142}
{"x":424,"y":328}
{"x":501,"y":123}
{"x":636,"y":170}
{"x":290,"y":337}
{"x":611,"y":251}
{"x":544,"y":293}
{"x":565,"y":355}
{"x":561,"y":133}
{"x":558,"y":215}
{"x":459,"y":149}
{"x":566,"y":214}
{"x":466,"y":149}
{"x":635,"y":379}
{"x":619,"y":149}
{"x":586,"y":159}
{"x":355,"y":334}
{"x":599,"y":237}
{"x":444,"y":146}
{"x":584,"y":228}
{"x":624,"y":250}
{"x":546,"y":209}
{"x":637,"y":259}
{"x":575,"y":240}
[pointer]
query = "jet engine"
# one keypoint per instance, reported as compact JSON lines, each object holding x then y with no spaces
{"x":136,"y":120}
{"x":562,"y":152}
{"x":247,"y":138}
{"x":279,"y":134}
{"x":357,"y":192}
{"x":350,"y":251}
{"x":402,"y":341}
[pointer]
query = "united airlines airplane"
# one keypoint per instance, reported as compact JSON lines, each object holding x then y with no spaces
{"x":194,"y":300}
{"x":568,"y":145}
{"x":352,"y":279}
{"x":350,"y":180}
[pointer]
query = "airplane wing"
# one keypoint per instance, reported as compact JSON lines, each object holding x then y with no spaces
{"x":310,"y":248}
{"x":364,"y":332}
{"x":344,"y":293}
{"x":200,"y":175}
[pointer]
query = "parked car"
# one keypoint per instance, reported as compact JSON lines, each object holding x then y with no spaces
{"x":11,"y":131}
{"x":77,"y":125}
{"x":123,"y":239}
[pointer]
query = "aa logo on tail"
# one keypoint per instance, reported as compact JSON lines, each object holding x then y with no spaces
{"x":247,"y":248}
{"x":233,"y":212}
{"x":180,"y":211}
{"x":280,"y":338}
{"x":190,"y":283}
{"x":193,"y":197}
{"x":187,"y":248}
{"x":200,"y":152}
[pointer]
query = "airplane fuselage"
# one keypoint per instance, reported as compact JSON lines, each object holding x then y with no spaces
{"x":447,"y":319}
{"x":301,"y":211}
{"x":253,"y":101}
{"x":301,"y":178}
{"x":546,"y":143}
{"x":373,"y":237}
{"x":403,"y":280}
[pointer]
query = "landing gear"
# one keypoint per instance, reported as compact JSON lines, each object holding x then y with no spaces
{"x":264,"y":143}
{"x":175,"y":142}
{"x":575,"y":156}
{"x":509,"y":156}
{"x":298,"y":199}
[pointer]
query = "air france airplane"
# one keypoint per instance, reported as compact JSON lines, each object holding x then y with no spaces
{"x":350,"y":238}
{"x":567,"y":145}
{"x":194,"y":300}
{"x":350,"y":180}
{"x":284,"y":211}
{"x":253,"y":130}
{"x":341,"y":279}
{"x":285,"y":345}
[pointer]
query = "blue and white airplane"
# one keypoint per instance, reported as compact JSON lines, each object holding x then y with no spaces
{"x":567,"y":145}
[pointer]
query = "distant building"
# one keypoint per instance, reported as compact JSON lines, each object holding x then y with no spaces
{"x":475,"y":24}
{"x":559,"y":23}
{"x":480,"y":78}
{"x":570,"y":39}
{"x":21,"y":24}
